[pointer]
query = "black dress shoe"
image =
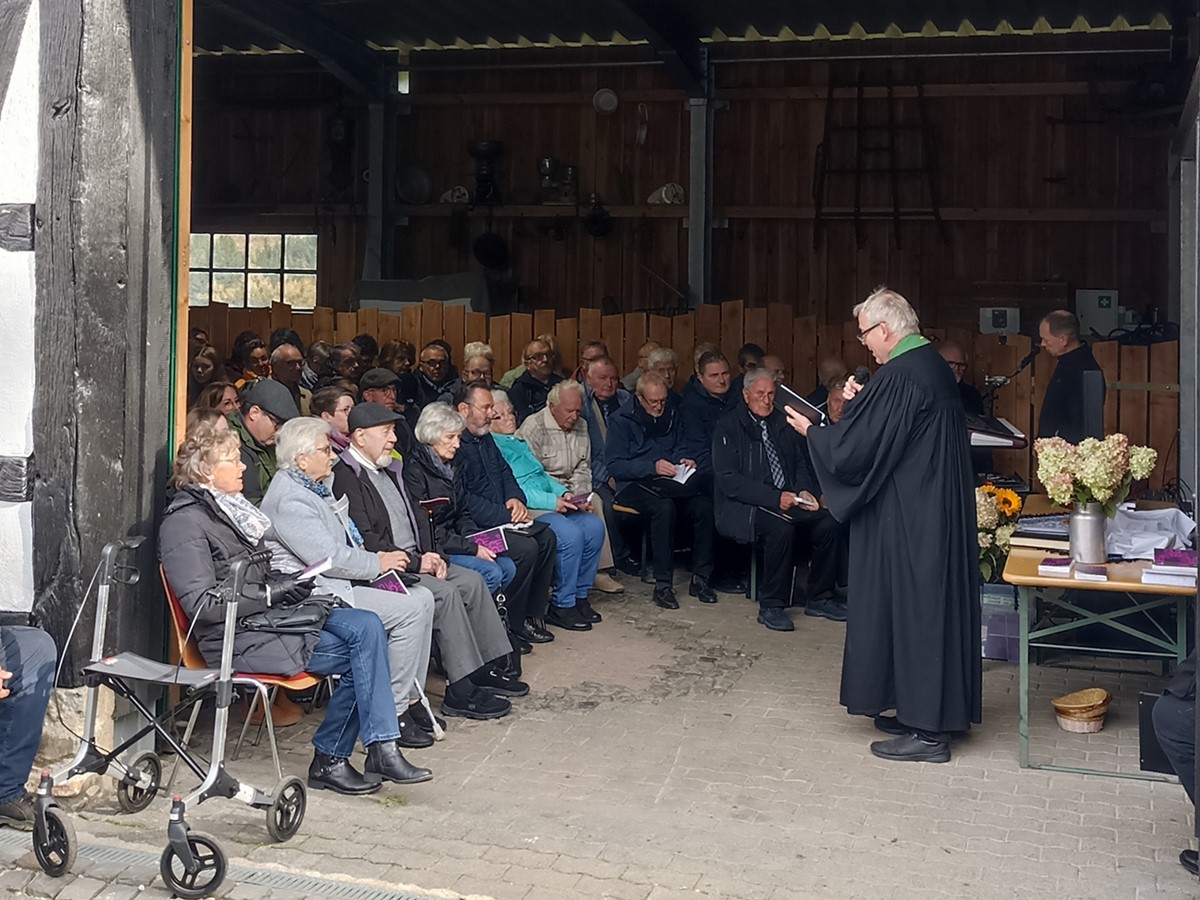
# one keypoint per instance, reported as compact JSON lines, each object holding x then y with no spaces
{"x":475,"y":703}
{"x":499,"y":682}
{"x":826,"y":608}
{"x":585,"y":610}
{"x":628,"y":565}
{"x":664,"y":596}
{"x":534,"y":633}
{"x":412,"y":735}
{"x":567,"y":617}
{"x":702,"y":590}
{"x":18,"y":813}
{"x":776,"y":619}
{"x":1189,"y":860}
{"x":417,"y":713}
{"x":385,"y":762}
{"x":332,"y":773}
{"x":519,"y":644}
{"x":891,"y":725}
{"x":912,"y":748}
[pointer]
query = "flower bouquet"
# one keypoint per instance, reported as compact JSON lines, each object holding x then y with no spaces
{"x":1093,"y":471}
{"x":996,"y":513}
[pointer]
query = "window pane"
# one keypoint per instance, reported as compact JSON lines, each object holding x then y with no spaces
{"x":198,"y":288}
{"x":199,"y":251}
{"x":266,"y":250}
{"x":229,"y":288}
{"x":301,"y":252}
{"x":262,"y":290}
{"x":300,"y":291}
{"x":229,"y":251}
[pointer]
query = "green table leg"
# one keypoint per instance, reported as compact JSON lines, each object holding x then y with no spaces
{"x":1025,"y":604}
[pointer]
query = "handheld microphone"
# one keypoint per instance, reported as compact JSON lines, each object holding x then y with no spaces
{"x":862,"y":375}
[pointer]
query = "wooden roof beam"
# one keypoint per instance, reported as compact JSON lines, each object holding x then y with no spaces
{"x":351,"y":62}
{"x":674,"y":39}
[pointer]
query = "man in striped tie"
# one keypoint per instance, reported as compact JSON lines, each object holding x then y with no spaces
{"x":765,"y":494}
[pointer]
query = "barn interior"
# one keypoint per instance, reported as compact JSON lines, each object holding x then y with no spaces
{"x":706,"y":171}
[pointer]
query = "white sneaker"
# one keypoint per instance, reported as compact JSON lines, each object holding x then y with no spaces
{"x":605,"y":583}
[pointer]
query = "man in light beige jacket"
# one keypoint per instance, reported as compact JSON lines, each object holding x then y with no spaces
{"x":558,"y":437}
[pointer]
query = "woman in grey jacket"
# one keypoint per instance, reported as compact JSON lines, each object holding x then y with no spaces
{"x":308,"y":525}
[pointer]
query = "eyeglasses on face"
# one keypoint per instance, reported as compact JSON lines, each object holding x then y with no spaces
{"x":434,"y":363}
{"x":862,"y":335}
{"x":534,"y":357}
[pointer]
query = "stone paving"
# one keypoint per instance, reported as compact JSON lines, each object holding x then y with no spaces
{"x":687,"y":754}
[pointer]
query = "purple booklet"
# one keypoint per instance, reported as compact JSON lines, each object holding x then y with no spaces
{"x":1181,"y":559}
{"x":493,"y":539}
{"x":390,"y":581}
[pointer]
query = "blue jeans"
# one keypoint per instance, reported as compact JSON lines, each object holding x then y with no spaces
{"x":30,"y":654}
{"x":498,"y":575}
{"x":580,"y":540}
{"x":354,"y":646}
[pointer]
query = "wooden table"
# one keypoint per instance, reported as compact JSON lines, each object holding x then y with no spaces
{"x":1124,"y":579}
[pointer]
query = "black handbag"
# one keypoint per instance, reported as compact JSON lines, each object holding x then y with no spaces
{"x":306,"y":617}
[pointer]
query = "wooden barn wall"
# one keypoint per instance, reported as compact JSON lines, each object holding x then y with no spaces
{"x":1039,"y":195}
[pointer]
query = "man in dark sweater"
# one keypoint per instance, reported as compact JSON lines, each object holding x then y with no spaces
{"x":1062,"y":409}
{"x":494,"y":500}
{"x":529,"y":392}
{"x":1175,"y":726}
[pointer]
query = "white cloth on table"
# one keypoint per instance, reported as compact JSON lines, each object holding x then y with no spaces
{"x":1137,"y":533}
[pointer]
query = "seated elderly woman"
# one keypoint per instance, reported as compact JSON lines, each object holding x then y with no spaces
{"x":208,"y":526}
{"x":308,"y":525}
{"x":580,"y":534}
{"x":428,"y":476}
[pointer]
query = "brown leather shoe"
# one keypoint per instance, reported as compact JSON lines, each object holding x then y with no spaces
{"x":606,"y":584}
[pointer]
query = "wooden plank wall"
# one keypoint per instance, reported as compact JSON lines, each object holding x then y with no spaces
{"x":1143,"y":396}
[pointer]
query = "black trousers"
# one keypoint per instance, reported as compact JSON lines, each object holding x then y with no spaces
{"x":620,"y":547}
{"x":1175,"y":726}
{"x":533,"y":553}
{"x":661,"y":511}
{"x":777,"y":537}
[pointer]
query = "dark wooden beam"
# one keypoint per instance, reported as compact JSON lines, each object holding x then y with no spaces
{"x":16,"y":226}
{"x":675,"y":40}
{"x":351,"y":62}
{"x":12,"y":25}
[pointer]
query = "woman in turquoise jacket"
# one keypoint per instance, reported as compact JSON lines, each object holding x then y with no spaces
{"x":580,"y":534}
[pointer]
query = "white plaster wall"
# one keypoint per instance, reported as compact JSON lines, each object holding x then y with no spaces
{"x":18,"y":184}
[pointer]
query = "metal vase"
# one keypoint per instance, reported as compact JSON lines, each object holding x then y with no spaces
{"x":1087,"y":533}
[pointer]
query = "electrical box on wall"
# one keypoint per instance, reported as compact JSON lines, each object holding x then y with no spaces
{"x":1098,"y":312}
{"x":999,"y":320}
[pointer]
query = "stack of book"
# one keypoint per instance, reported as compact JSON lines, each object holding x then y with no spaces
{"x":1173,"y":568}
{"x":1055,"y":567}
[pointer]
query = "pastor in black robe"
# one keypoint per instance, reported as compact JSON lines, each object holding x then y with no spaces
{"x":897,"y":469}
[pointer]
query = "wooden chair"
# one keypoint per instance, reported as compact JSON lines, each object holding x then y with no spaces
{"x":264,"y":687}
{"x":646,"y":567}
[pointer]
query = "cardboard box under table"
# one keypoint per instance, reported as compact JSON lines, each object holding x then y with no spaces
{"x":1054,"y":615}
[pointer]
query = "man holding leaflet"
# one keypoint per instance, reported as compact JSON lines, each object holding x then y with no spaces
{"x":897,"y":469}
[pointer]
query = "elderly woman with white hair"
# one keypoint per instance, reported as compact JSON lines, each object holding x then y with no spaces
{"x":581,"y":536}
{"x":308,"y":526}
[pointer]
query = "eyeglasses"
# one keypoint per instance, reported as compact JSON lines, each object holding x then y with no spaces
{"x":862,"y":335}
{"x":275,"y":420}
{"x":533,"y":357}
{"x":434,"y":363}
{"x":327,"y":450}
{"x":958,"y":365}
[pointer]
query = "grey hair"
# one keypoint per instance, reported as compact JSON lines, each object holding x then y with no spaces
{"x":887,"y":306}
{"x":663,"y":355}
{"x":280,"y":352}
{"x":478,"y":348}
{"x":436,"y":421}
{"x":499,"y":397}
{"x":197,"y":456}
{"x":298,"y":436}
{"x":566,"y":386}
{"x":757,"y":374}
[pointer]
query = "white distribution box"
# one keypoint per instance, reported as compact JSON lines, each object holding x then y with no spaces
{"x":1098,"y":312}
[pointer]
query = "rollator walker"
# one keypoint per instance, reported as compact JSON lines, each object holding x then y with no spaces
{"x":193,"y":864}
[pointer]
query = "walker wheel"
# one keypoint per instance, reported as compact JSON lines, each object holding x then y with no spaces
{"x":131,"y":797}
{"x":210,"y":868}
{"x":55,"y":850}
{"x":286,"y":812}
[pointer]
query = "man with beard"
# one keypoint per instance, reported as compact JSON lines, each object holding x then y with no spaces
{"x":897,"y":469}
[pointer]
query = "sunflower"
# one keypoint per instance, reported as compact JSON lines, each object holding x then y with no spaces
{"x":988,"y":488}
{"x":1008,"y":501}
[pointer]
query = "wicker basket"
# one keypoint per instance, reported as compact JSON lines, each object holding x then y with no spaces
{"x":1082,"y":712}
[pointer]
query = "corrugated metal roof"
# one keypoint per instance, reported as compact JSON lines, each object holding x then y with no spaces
{"x":520,"y":24}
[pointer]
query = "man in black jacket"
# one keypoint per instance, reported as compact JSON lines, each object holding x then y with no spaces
{"x":529,"y":392}
{"x":434,"y":375}
{"x":1062,"y":409}
{"x":765,"y":492}
{"x":474,"y":647}
{"x":495,"y":500}
{"x":1175,"y":726}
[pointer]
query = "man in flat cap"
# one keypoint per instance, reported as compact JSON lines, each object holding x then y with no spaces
{"x":266,"y":405}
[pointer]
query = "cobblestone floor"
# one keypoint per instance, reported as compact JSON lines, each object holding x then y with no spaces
{"x":687,"y":754}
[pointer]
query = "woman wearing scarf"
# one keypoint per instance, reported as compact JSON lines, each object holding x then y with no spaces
{"x":208,"y":526}
{"x":310,"y":525}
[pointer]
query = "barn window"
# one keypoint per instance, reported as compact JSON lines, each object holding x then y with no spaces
{"x":253,"y":270}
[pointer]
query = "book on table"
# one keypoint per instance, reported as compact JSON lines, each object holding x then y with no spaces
{"x":1149,"y":576}
{"x":1091,"y":572}
{"x":1055,"y":567}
